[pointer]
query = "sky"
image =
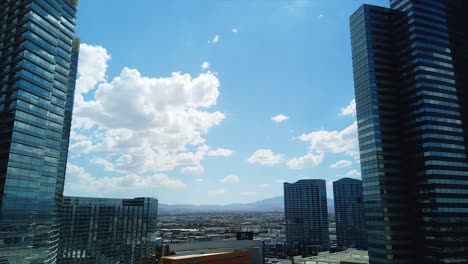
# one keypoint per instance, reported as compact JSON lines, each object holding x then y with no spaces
{"x":212,"y":102}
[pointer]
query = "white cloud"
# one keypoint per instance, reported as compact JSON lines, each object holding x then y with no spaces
{"x":341,"y":164}
{"x":79,"y":181}
{"x":350,"y":109}
{"x":215,"y":40}
{"x":265,"y":157}
{"x":280,"y":181}
{"x":144,"y":124}
{"x":199,"y":180}
{"x":81,"y":147}
{"x":280,"y":118}
{"x":336,"y":142}
{"x":77,"y":137}
{"x":198,"y":169}
{"x":248,"y":193}
{"x":320,"y":16}
{"x":308,"y":161}
{"x":230,"y":179}
{"x":92,"y":67}
{"x":264,"y":185}
{"x":205,"y":65}
{"x":235,"y":30}
{"x":220,"y":152}
{"x":353,"y":173}
{"x":297,"y":8}
{"x":322,"y":142}
{"x":108,"y":166}
{"x":216,"y":192}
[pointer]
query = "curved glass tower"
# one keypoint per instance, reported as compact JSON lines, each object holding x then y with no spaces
{"x":38,"y":62}
{"x":410,"y":73}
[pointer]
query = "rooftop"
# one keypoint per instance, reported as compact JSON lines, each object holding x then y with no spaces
{"x":351,"y":256}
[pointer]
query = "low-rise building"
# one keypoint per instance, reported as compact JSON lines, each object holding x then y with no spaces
{"x":350,"y":256}
{"x":236,"y":257}
{"x":254,"y":248}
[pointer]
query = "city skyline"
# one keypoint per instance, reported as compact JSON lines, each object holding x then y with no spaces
{"x":274,"y":102}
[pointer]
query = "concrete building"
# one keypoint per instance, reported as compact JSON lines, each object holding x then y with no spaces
{"x":254,"y":248}
{"x":350,"y":256}
{"x":236,"y":257}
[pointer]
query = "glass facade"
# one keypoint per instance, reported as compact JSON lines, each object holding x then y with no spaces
{"x":38,"y":56}
{"x":306,"y":215}
{"x":349,"y":214}
{"x":107,"y":231}
{"x":410,"y":83}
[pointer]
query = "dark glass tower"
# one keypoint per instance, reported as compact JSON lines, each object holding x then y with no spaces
{"x":306,"y":215}
{"x":38,"y":57}
{"x":410,"y":73}
{"x":349,"y":214}
{"x":107,"y":231}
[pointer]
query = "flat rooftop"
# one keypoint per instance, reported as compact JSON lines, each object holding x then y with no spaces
{"x":350,"y":256}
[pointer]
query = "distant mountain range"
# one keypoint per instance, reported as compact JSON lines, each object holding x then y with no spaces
{"x":275,"y":204}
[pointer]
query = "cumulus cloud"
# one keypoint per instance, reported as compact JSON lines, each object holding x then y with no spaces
{"x":265,"y":157}
{"x":108,"y":166}
{"x":205,"y":65}
{"x":280,"y":118}
{"x":307,"y":161}
{"x":216,"y":192}
{"x":341,"y":164}
{"x":235,"y":30}
{"x":80,"y":181}
{"x":143,"y":124}
{"x":198,"y":169}
{"x":92,"y":67}
{"x":220,"y":152}
{"x":353,"y":173}
{"x":230,"y":179}
{"x":336,"y":142}
{"x":84,"y":146}
{"x":280,"y":181}
{"x":350,"y":109}
{"x":199,"y":180}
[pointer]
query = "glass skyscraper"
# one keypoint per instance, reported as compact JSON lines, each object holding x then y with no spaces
{"x":38,"y":62}
{"x":410,"y":73}
{"x":107,"y":231}
{"x":306,"y":214}
{"x":349,"y":214}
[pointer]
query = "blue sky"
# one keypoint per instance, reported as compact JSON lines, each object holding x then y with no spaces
{"x":212,"y":102}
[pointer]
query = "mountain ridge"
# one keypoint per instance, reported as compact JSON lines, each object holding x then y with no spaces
{"x":274,"y":204}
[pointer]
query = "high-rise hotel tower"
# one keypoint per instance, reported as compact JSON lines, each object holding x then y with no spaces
{"x":411,"y":84}
{"x":38,"y":65}
{"x":349,"y":214}
{"x":306,"y":215}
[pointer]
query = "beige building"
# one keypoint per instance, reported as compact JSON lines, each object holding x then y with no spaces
{"x":237,"y":257}
{"x":350,"y":256}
